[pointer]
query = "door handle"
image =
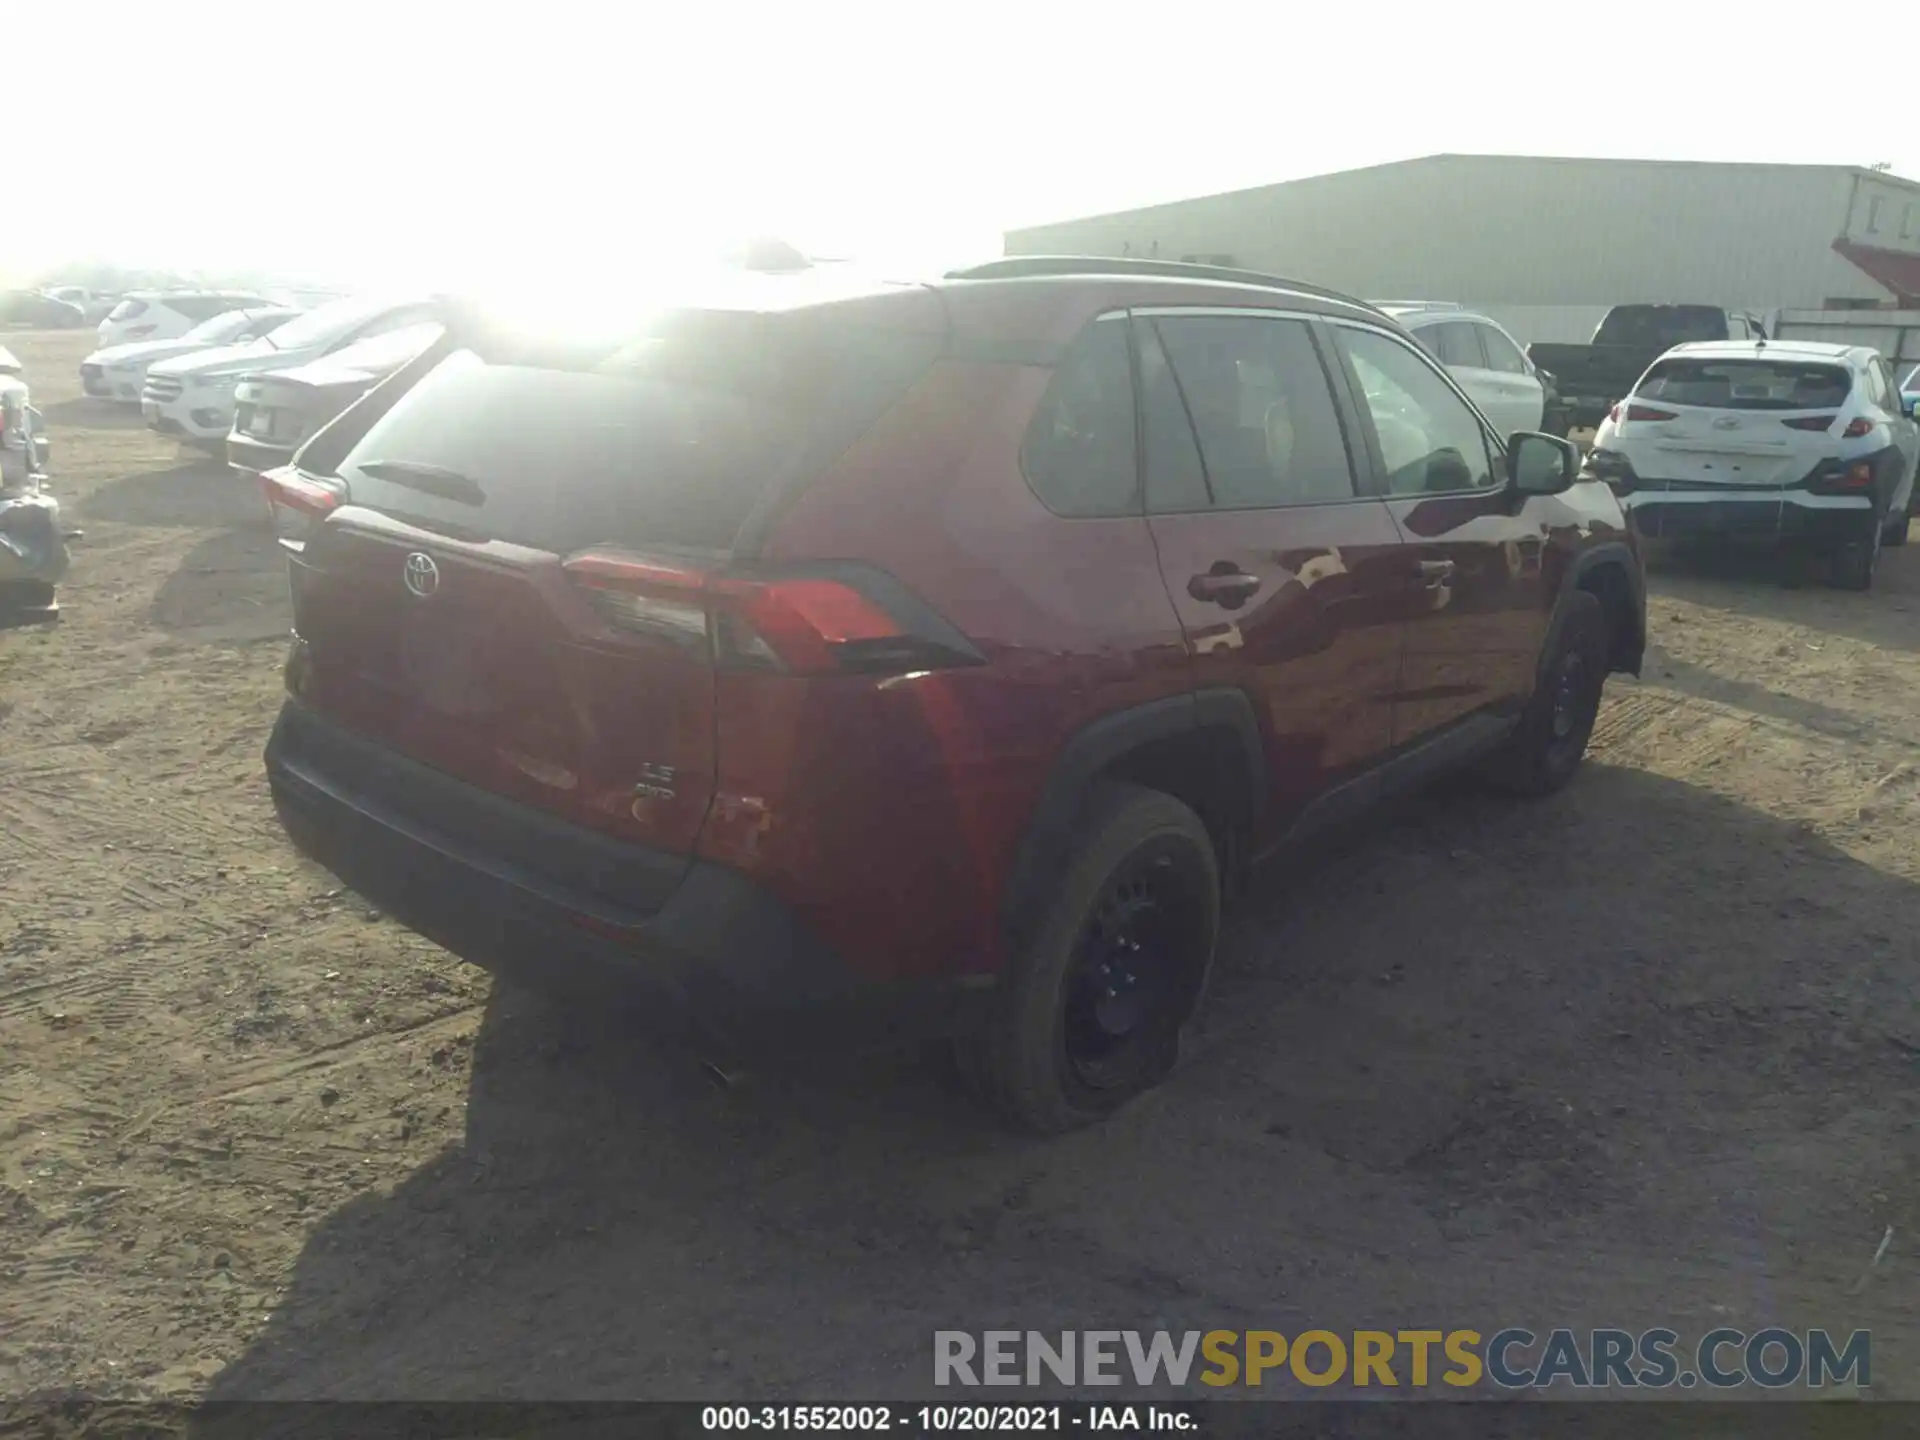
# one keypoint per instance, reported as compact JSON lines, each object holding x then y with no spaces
{"x":1436,"y":572}
{"x":1228,"y":588}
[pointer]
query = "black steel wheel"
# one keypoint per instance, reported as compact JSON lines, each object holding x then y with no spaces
{"x":1091,"y":1012}
{"x":1550,"y":740}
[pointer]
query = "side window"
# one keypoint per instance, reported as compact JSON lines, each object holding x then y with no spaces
{"x":1457,"y":343}
{"x":1430,"y":441}
{"x":1502,"y":354}
{"x":1737,"y":328}
{"x":1262,"y":408}
{"x":1176,"y":480}
{"x":1078,"y":452}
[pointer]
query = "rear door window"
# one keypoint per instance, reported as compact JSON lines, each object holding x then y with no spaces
{"x":670,"y":442}
{"x":1457,"y":343}
{"x":1262,"y":407}
{"x":1502,"y":354}
{"x":1079,"y":449}
{"x":1745,"y":384}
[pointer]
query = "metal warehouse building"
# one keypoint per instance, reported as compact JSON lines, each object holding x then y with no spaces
{"x":1546,"y":245}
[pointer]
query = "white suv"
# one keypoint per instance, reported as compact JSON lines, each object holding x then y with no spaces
{"x":1490,"y":366}
{"x":192,"y":397}
{"x":1783,"y":440}
{"x":167,"y":314}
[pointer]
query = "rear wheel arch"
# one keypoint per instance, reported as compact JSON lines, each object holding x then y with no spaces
{"x":1203,"y":748}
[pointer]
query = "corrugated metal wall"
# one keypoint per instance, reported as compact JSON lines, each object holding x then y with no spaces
{"x":1546,"y":243}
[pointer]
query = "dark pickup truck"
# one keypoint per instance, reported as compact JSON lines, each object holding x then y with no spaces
{"x":1586,"y":381}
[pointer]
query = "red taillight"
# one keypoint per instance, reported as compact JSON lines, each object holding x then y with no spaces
{"x":802,"y":625}
{"x":297,"y":504}
{"x":294,"y":491}
{"x":1810,"y":422}
{"x":1854,"y":477}
{"x":1647,"y":412}
{"x":1858,"y":426}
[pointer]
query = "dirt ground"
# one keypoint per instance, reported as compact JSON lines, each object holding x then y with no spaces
{"x":1646,"y":1053}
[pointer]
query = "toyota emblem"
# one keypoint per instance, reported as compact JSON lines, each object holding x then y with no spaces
{"x":421,"y":574}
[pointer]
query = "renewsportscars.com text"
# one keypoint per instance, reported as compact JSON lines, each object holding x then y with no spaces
{"x":1512,"y":1359}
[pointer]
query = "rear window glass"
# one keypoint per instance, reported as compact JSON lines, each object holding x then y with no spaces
{"x":670,"y":441}
{"x":1746,"y":384}
{"x":128,"y":310}
{"x":1658,"y":326}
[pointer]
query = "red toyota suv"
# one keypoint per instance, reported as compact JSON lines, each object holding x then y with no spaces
{"x":919,"y":657}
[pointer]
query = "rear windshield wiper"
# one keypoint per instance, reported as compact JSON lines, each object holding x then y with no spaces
{"x":432,"y":479}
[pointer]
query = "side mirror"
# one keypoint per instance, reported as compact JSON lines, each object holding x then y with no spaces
{"x":1541,"y":464}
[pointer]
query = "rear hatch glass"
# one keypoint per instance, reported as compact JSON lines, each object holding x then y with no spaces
{"x":1746,"y":384}
{"x":668,"y":441}
{"x":1737,"y":421}
{"x":437,"y":616}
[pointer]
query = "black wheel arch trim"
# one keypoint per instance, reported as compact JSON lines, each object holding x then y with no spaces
{"x":1046,"y":847}
{"x":1620,"y":555}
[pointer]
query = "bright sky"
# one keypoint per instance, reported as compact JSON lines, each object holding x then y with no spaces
{"x":429,"y":142}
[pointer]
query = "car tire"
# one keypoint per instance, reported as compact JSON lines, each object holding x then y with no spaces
{"x":1546,"y":746}
{"x":1851,"y":567}
{"x":1090,"y":1013}
{"x":1897,"y":531}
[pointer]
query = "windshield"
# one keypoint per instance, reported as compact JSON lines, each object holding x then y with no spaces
{"x":128,"y":310}
{"x":329,"y":322}
{"x":393,"y":349}
{"x":1654,"y":327}
{"x":220,"y":329}
{"x":1746,"y":384}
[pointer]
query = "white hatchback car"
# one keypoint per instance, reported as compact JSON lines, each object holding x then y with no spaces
{"x":1785,"y":440}
{"x":1483,"y":358}
{"x":167,"y":314}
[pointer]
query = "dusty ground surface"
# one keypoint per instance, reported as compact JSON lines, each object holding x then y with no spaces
{"x":1646,"y":1053}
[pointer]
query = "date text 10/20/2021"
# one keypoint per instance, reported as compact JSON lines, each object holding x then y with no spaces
{"x":941,"y":1419}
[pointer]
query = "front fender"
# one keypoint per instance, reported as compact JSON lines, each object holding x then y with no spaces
{"x":1602,"y":566}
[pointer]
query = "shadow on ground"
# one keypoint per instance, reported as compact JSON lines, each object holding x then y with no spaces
{"x":230,"y":588}
{"x":1778,"y":586}
{"x":87,"y":413}
{"x":1612,"y":1055}
{"x":199,"y":495}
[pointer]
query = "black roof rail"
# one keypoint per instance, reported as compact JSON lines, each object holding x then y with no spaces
{"x":1013,"y":267}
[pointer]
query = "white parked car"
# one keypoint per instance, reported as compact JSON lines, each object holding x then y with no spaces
{"x":93,"y":304}
{"x":192,"y":397}
{"x":1483,"y":358}
{"x":1790,"y":441}
{"x":167,"y":314}
{"x":120,"y":371}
